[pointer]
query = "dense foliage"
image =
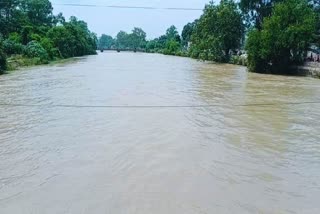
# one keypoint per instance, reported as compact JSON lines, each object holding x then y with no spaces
{"x":219,"y":30}
{"x":187,"y":32}
{"x":170,"y":43}
{"x":3,"y":60}
{"x":217,"y":33}
{"x":35,"y":50}
{"x":256,"y":10}
{"x":134,"y":40}
{"x":105,"y":42}
{"x":29,"y":28}
{"x":284,"y":37}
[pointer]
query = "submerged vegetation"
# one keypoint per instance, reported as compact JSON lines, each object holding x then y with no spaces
{"x":267,"y":36}
{"x":31,"y":34}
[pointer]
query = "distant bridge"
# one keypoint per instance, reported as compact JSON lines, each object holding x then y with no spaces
{"x":124,"y":49}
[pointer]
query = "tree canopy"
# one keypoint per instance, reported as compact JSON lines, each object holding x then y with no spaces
{"x":219,"y":30}
{"x":187,"y":32}
{"x":105,"y":42}
{"x":29,"y":28}
{"x":134,"y":40}
{"x":257,"y":10}
{"x":283,"y":39}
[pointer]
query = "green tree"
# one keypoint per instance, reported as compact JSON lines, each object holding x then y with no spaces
{"x":122,"y":40}
{"x":29,"y":27}
{"x":187,"y":32}
{"x":83,"y":40}
{"x":137,"y":38}
{"x":35,"y":50}
{"x":162,"y":41}
{"x":59,"y":19}
{"x":39,"y":12}
{"x":172,"y":47}
{"x":12,"y":47}
{"x":73,"y":39}
{"x":152,"y":45}
{"x":257,"y":10}
{"x":283,"y":39}
{"x":173,"y":34}
{"x":105,"y":42}
{"x":48,"y":45}
{"x":316,"y":7}
{"x":219,"y":30}
{"x":63,"y":40}
{"x":9,"y":16}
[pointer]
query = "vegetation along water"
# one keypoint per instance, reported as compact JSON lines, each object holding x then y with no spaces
{"x":149,"y":133}
{"x":267,"y":36}
{"x":30,"y":34}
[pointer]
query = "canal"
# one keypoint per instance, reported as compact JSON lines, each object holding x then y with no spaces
{"x":126,"y":133}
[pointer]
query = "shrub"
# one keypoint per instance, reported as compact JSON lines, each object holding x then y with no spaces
{"x":35,"y":37}
{"x":194,"y":52}
{"x":48,"y":45}
{"x":172,"y":47}
{"x":15,"y":37}
{"x":239,"y":60}
{"x":12,"y":47}
{"x":181,"y":53}
{"x":35,"y":50}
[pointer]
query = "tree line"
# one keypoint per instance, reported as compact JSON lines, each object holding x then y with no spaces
{"x":134,"y":40}
{"x":274,"y":34}
{"x":168,"y":43}
{"x":30,"y":31}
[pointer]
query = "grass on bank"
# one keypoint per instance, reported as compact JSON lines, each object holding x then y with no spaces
{"x":16,"y":62}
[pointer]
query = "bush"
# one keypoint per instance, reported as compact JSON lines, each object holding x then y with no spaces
{"x":239,"y":60}
{"x":35,"y":37}
{"x":182,"y":53}
{"x":12,"y":47}
{"x":172,"y":47}
{"x":35,"y":50}
{"x":194,"y":52}
{"x":48,"y":45}
{"x":15,"y":37}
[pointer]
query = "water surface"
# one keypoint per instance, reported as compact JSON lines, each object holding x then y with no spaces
{"x":127,"y":133}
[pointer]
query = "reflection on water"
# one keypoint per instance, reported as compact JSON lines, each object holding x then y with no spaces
{"x":230,"y":157}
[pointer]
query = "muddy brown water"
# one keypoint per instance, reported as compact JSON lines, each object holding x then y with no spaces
{"x":127,"y":133}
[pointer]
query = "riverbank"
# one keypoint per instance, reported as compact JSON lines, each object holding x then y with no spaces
{"x":18,"y":62}
{"x":311,"y":69}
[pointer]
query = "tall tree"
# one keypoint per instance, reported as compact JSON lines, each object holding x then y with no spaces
{"x":257,"y":10}
{"x":187,"y":32}
{"x":173,"y":34}
{"x":219,"y":30}
{"x":122,"y":40}
{"x":39,"y":12}
{"x":137,"y":38}
{"x":283,"y":39}
{"x":9,"y":13}
{"x":105,"y":42}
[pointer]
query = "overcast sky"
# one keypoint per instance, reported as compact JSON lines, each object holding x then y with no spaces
{"x":111,"y":21}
